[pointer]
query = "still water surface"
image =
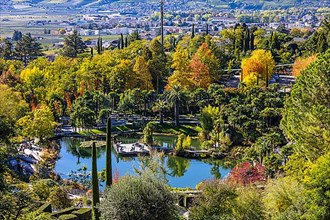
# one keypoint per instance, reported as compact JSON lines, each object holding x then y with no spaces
{"x":182,"y":172}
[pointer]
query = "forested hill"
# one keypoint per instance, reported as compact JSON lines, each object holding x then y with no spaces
{"x":242,"y":4}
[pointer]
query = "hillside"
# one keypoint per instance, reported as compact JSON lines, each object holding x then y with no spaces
{"x":16,"y":5}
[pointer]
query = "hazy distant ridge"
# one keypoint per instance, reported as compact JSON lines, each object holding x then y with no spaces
{"x":247,"y":4}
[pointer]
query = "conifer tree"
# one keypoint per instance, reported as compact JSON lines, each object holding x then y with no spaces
{"x":27,"y":49}
{"x":108,"y":168}
{"x":73,"y":45}
{"x":121,"y":41}
{"x":95,"y":184}
{"x":126,"y":41}
{"x":7,"y":52}
{"x":193,"y":31}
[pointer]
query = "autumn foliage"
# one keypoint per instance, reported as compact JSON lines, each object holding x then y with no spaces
{"x":199,"y":72}
{"x":245,"y":173}
{"x":301,"y":64}
{"x":258,"y":68}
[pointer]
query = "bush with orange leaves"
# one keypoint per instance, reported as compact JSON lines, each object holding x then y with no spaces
{"x":301,"y":64}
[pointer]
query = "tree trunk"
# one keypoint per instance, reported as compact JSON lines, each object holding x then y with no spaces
{"x":176,"y":112}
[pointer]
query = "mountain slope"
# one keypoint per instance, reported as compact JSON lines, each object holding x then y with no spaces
{"x":246,"y":4}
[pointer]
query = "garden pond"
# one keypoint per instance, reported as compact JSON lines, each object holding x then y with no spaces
{"x":181,"y":172}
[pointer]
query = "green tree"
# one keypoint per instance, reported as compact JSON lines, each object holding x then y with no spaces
{"x":176,"y":97}
{"x":108,"y":154}
{"x":285,"y":198}
{"x":27,"y":49}
{"x":39,"y":123}
{"x":306,"y":118}
{"x":157,"y":65}
{"x":95,"y":184}
{"x":318,"y":187}
{"x":12,"y":108}
{"x":160,"y":106}
{"x":139,"y":197}
{"x":73,"y":45}
{"x":7,"y":51}
{"x":207,"y":117}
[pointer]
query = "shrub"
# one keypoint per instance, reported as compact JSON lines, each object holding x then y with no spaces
{"x":139,"y":197}
{"x":59,"y":198}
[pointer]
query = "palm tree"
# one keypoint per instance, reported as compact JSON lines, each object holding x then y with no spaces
{"x":160,"y":106}
{"x":176,"y":96}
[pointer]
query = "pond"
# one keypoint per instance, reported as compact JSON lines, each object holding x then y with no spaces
{"x":182,"y":172}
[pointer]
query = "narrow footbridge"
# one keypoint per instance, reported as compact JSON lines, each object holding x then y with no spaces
{"x":186,"y":198}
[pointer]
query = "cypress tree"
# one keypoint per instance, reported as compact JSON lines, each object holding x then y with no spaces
{"x":98,"y":46}
{"x":101,"y":44}
{"x":121,"y":41}
{"x":252,"y":39}
{"x":137,"y":35}
{"x":247,"y":40}
{"x":126,"y":41}
{"x":162,"y":23}
{"x":193,"y":31}
{"x":108,"y":168}
{"x":95,"y":184}
{"x":207,"y":29}
{"x":92,"y":52}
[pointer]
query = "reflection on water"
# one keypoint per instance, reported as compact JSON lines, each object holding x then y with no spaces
{"x":181,"y":172}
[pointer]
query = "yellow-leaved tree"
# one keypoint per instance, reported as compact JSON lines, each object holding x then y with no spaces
{"x":39,"y":123}
{"x":143,"y":74}
{"x":301,"y":64}
{"x":180,"y":76}
{"x":258,"y":69}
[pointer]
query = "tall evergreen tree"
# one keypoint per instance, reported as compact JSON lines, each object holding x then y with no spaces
{"x":98,"y":46}
{"x":253,"y":29}
{"x":193,"y":31}
{"x":95,"y":184}
{"x":73,"y":45}
{"x":126,"y":41}
{"x":27,"y":49}
{"x":121,"y":41}
{"x":157,"y":65}
{"x":7,"y":52}
{"x":108,"y":168}
{"x":162,"y":23}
